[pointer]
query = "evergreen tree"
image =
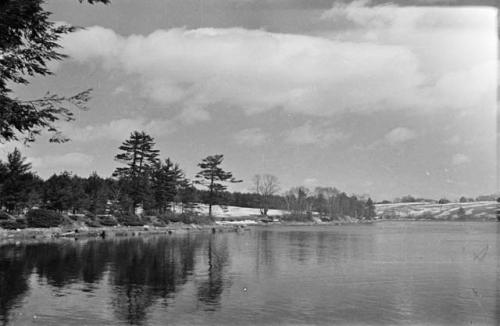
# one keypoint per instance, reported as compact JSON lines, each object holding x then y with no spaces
{"x":64,"y":192}
{"x":96,"y":191}
{"x":139,"y":157}
{"x":17,"y":183}
{"x":166,"y":179}
{"x":187,"y":195}
{"x":370,"y":209}
{"x":213,"y":177}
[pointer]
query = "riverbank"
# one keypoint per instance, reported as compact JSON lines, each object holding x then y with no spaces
{"x":112,"y":232}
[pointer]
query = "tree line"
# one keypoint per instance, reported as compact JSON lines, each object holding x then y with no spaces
{"x":145,"y":182}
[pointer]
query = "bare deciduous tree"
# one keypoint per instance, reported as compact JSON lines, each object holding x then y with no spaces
{"x":266,"y":185}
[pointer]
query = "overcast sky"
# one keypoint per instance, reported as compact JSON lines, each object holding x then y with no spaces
{"x":385,"y":99}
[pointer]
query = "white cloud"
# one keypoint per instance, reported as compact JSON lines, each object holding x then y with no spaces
{"x":251,"y":137}
{"x":62,"y":162}
{"x":307,"y":134}
{"x":453,"y":46}
{"x":400,"y":135}
{"x":459,"y":159}
{"x":255,"y":70}
{"x":119,"y":129}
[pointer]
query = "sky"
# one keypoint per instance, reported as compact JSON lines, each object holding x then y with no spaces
{"x":371,"y":97}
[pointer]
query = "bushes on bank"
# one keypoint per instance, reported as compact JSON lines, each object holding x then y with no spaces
{"x":297,"y":218}
{"x":108,"y":221}
{"x":13,"y":224}
{"x":130,"y":220}
{"x":43,"y":218}
{"x":186,"y":218}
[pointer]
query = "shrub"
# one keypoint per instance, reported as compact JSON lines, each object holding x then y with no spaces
{"x":92,"y":224}
{"x":297,"y":218}
{"x":169,"y":217}
{"x":196,"y":219}
{"x":108,"y":221}
{"x":43,"y":218}
{"x":159,"y":224}
{"x":5,"y":216}
{"x":186,"y":218}
{"x":19,"y":223}
{"x":130,"y":220}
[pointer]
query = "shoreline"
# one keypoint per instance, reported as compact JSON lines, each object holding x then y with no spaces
{"x":110,"y":232}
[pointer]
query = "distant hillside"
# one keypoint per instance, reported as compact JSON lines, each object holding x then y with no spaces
{"x":484,"y":210}
{"x":477,"y":211}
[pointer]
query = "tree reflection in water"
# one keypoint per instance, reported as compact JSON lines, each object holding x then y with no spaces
{"x":144,"y":271}
{"x":210,"y":289}
{"x":13,"y":279}
{"x":141,"y":271}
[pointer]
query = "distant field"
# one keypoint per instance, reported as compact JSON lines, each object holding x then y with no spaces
{"x":235,"y":212}
{"x":485,"y":210}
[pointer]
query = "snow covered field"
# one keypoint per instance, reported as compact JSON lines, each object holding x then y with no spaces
{"x":235,"y":212}
{"x":484,"y":210}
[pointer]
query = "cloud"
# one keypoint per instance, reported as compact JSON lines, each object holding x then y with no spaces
{"x":460,"y":159}
{"x":399,"y":135}
{"x":251,"y":137}
{"x":307,"y":134}
{"x":61,"y":162}
{"x":119,"y":129}
{"x":254,"y":70}
{"x":452,"y":46}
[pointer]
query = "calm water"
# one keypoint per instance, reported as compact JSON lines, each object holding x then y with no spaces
{"x":385,"y":273}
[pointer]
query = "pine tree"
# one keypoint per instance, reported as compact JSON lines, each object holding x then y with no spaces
{"x":16,"y":182}
{"x":213,"y":177}
{"x":166,"y":179}
{"x":97,"y":193}
{"x":65,"y":192}
{"x":140,"y":157}
{"x":370,"y":209}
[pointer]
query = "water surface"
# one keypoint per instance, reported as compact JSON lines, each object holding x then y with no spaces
{"x":404,"y":273}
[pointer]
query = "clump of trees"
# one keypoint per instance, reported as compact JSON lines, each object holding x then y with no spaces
{"x":329,"y":203}
{"x":145,"y":185}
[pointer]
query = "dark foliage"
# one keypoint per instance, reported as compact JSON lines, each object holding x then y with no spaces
{"x":28,"y":42}
{"x":214,"y":178}
{"x":43,"y":218}
{"x":130,"y":220}
{"x":5,"y":216}
{"x":14,"y":224}
{"x":108,"y":221}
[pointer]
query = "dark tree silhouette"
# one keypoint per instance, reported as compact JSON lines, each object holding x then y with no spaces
{"x":140,"y":157}
{"x":213,"y":177}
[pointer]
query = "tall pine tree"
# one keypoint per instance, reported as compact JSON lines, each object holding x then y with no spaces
{"x":214,"y":178}
{"x":17,"y":183}
{"x":139,"y":156}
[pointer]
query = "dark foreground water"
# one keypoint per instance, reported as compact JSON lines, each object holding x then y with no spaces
{"x":386,"y":273}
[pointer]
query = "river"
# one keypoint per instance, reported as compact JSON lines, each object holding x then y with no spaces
{"x":402,"y":273}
